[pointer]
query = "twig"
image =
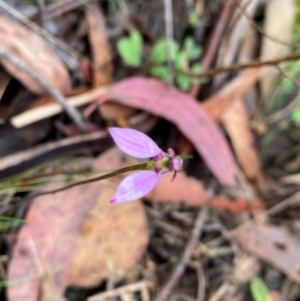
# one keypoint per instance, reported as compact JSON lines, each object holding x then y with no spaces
{"x":23,"y":156}
{"x":55,"y":93}
{"x":130,"y":288}
{"x":239,"y":67}
{"x":197,"y":265}
{"x":50,"y":109}
{"x":262,"y":31}
{"x":56,"y":9}
{"x":42,"y":7}
{"x":213,"y":43}
{"x":179,"y":269}
{"x":169,"y":38}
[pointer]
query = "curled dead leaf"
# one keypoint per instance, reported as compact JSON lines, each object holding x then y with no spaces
{"x":36,"y":53}
{"x":218,"y":103}
{"x":99,"y":45}
{"x":236,"y":122}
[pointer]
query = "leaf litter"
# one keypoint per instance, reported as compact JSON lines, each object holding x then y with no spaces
{"x":76,"y":238}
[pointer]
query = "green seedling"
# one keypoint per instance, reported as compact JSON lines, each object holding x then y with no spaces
{"x":131,"y":48}
{"x":259,"y":290}
{"x":181,"y":59}
{"x":158,"y":53}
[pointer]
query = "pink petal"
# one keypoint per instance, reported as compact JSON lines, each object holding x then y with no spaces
{"x":134,"y":143}
{"x":135,"y":186}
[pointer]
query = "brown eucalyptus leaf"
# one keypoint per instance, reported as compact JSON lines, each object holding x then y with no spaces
{"x":113,"y":239}
{"x":218,"y":103}
{"x":99,"y":45}
{"x":31,"y":49}
{"x":236,"y":122}
{"x":182,"y":189}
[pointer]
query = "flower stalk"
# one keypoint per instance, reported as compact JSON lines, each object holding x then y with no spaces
{"x":142,"y":166}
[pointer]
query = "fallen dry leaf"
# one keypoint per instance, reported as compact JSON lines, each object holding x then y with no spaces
{"x":36,"y":53}
{"x":100,"y":47}
{"x":237,"y":205}
{"x":236,"y":122}
{"x":183,"y":189}
{"x":217,"y":104}
{"x":116,"y":236}
{"x":273,"y":244}
{"x":112,"y":110}
{"x":102,"y":61}
{"x":53,"y":227}
{"x":191,"y":192}
{"x":49,"y":291}
{"x":154,"y":96}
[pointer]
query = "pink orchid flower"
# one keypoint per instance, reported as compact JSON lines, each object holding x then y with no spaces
{"x":139,"y":145}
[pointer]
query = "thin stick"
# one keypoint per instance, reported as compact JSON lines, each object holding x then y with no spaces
{"x":41,"y":31}
{"x":47,"y":110}
{"x":169,"y":38}
{"x":141,"y":166}
{"x":179,"y":269}
{"x":213,"y":44}
{"x":138,"y":286}
{"x":27,"y":155}
{"x":55,"y":93}
{"x":262,"y":32}
{"x":239,"y":67}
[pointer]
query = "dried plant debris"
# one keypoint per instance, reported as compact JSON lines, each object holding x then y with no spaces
{"x":31,"y":49}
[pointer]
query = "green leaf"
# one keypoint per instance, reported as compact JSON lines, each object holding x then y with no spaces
{"x":184,"y":82}
{"x":296,"y":115}
{"x":181,"y":60}
{"x":193,"y":17}
{"x":259,"y":290}
{"x":160,"y":72}
{"x":192,"y":49}
{"x":130,"y":48}
{"x":158,"y":53}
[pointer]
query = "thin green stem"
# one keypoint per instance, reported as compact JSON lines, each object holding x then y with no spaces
{"x":142,"y":166}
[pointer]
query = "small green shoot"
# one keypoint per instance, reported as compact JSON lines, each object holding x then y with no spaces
{"x":191,"y":49}
{"x":193,"y":17}
{"x":8,"y":222}
{"x":161,"y":72}
{"x":259,"y":290}
{"x":296,"y":115}
{"x":181,"y":58}
{"x":158,"y":53}
{"x":131,"y":48}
